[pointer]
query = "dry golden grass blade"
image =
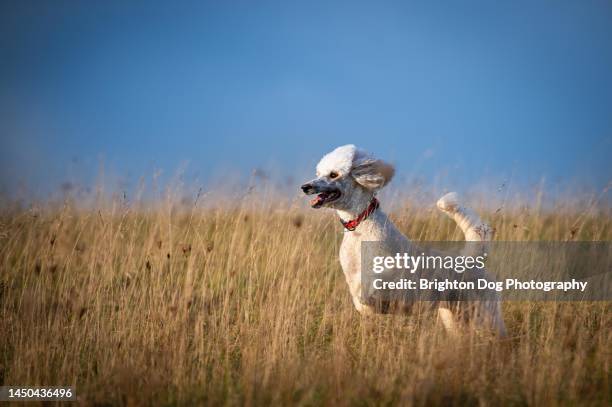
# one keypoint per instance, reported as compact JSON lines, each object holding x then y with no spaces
{"x":246,"y":304}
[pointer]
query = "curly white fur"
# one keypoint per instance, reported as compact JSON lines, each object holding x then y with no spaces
{"x":358,"y":176}
{"x":340,"y":160}
{"x":474,"y":229}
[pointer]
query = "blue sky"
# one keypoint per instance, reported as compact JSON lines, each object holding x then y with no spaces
{"x":470,"y":89}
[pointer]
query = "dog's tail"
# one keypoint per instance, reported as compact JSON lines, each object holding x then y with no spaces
{"x":489,"y":312}
{"x":474,"y":229}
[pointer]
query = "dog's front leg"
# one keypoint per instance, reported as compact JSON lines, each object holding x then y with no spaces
{"x":363,"y":309}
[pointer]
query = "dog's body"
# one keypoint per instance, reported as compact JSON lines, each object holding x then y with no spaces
{"x":347,"y":181}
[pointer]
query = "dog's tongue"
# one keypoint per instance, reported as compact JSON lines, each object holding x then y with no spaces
{"x":318,"y":200}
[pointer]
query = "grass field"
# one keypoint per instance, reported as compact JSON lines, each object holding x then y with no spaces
{"x":176,"y":303}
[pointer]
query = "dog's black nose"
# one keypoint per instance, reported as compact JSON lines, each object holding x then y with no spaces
{"x":307,"y":188}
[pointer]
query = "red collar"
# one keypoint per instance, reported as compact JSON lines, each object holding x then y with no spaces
{"x":353,"y":223}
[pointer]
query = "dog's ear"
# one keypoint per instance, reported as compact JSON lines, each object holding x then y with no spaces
{"x":372,"y":174}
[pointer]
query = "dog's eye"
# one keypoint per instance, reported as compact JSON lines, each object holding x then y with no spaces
{"x":333,"y":175}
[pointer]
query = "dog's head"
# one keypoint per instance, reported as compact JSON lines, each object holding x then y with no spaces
{"x":347,"y":176}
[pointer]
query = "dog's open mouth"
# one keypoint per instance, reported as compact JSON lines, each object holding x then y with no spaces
{"x":325,"y":197}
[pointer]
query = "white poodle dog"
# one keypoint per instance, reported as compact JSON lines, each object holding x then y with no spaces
{"x":347,"y":180}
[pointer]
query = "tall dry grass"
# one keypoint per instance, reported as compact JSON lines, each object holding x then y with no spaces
{"x":166,"y":303}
